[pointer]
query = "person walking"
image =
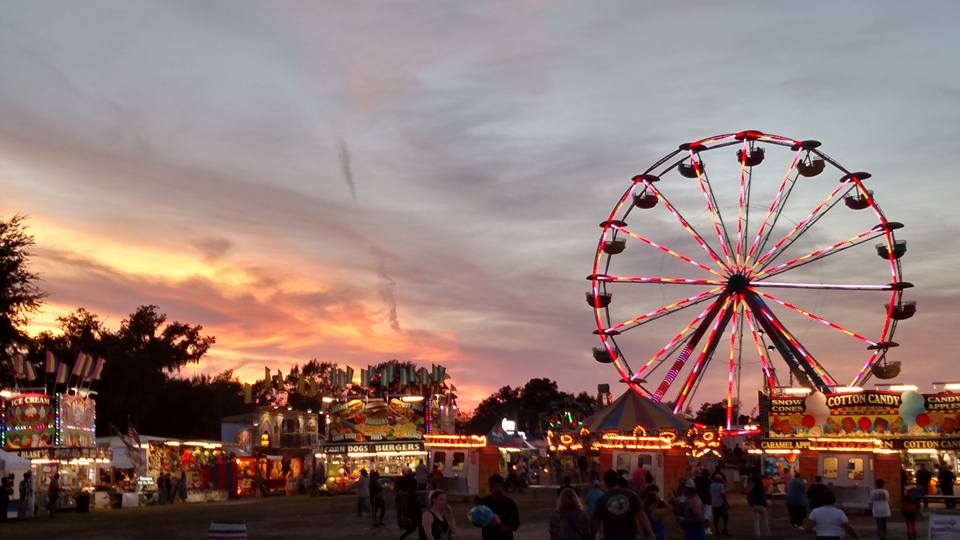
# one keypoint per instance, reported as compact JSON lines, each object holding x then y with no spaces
{"x":945,"y":479}
{"x":880,"y":508}
{"x":719,"y":505}
{"x":27,"y":501}
{"x":363,"y":493}
{"x":161,"y":489}
{"x":817,"y":492}
{"x":569,"y":521}
{"x":702,"y":483}
{"x":910,"y":509}
{"x":656,"y":511}
{"x":923,"y":477}
{"x":378,"y":505}
{"x":6,"y":490}
{"x":757,"y":499}
{"x":829,"y":522}
{"x":408,"y":505}
{"x":53,"y":494}
{"x":182,"y":487}
{"x":503,"y":507}
{"x":797,"y":501}
{"x":592,"y":496}
{"x":619,"y":512}
{"x":423,"y":476}
{"x":437,"y":522}
{"x":691,"y":514}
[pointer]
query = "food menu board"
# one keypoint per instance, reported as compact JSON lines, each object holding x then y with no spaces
{"x":377,"y":420}
{"x":30,"y":422}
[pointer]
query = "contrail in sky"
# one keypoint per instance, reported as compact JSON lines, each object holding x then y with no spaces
{"x":346,"y":168}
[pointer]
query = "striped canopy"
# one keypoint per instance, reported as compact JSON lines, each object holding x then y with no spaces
{"x":631,"y":410}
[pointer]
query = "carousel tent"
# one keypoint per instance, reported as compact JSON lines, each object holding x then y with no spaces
{"x":631,"y":410}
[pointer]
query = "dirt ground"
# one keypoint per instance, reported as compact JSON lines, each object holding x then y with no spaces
{"x":335,"y":518}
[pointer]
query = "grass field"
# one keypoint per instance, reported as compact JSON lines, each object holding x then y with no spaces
{"x":334,"y":518}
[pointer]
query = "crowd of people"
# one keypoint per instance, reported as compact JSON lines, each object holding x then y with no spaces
{"x":28,"y":498}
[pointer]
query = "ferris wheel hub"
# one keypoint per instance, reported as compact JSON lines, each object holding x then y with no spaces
{"x":738,"y":283}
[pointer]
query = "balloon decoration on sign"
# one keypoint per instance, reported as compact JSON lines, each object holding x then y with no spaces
{"x":912,"y":405}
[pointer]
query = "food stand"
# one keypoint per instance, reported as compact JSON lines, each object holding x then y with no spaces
{"x":373,"y":434}
{"x":459,"y":459}
{"x":56,"y":433}
{"x":853,"y":438}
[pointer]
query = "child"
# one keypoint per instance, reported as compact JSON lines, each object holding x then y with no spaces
{"x":910,"y":508}
{"x":880,"y":508}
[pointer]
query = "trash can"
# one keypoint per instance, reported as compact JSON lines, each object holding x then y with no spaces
{"x":83,"y":502}
{"x":227,"y":530}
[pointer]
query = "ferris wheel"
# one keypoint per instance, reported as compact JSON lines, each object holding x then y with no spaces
{"x":713,"y":261}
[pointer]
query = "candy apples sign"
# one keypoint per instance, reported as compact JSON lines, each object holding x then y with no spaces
{"x":30,"y":422}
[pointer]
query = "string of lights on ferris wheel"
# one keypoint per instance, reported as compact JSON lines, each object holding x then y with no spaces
{"x":739,"y":273}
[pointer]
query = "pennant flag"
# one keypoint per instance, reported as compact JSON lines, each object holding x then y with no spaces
{"x":88,"y":368}
{"x":247,"y":394}
{"x":349,"y":375}
{"x":404,"y":376}
{"x":62,"y":374}
{"x":51,"y":363}
{"x":266,"y":374}
{"x":383,"y":377}
{"x":98,"y":369}
{"x":18,"y":369}
{"x":441,"y":374}
{"x":364,"y":378}
{"x":29,"y":372}
{"x":78,"y":365}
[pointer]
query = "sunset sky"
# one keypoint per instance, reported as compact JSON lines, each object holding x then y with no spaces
{"x":355,"y":181}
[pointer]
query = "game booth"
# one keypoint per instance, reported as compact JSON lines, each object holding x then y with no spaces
{"x":56,"y":434}
{"x":373,"y":434}
{"x":853,"y":438}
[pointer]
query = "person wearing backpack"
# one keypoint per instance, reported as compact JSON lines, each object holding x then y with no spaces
{"x":570,"y":521}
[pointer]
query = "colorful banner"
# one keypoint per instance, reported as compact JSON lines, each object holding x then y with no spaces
{"x":376,"y":420}
{"x":30,"y":422}
{"x":77,"y":421}
{"x":879,"y":414}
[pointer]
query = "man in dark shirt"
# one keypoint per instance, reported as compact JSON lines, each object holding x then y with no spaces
{"x":504,"y":508}
{"x":817,"y":493}
{"x":619,"y":512}
{"x":923,"y":477}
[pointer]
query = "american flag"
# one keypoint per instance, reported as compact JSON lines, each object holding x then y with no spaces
{"x":132,"y":433}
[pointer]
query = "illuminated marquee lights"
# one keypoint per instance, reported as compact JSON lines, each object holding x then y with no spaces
{"x":456,"y":441}
{"x":566,"y":441}
{"x":633,"y":442}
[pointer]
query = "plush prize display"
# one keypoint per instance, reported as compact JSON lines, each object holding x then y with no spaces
{"x":483,"y":516}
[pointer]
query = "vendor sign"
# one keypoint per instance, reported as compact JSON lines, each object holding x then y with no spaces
{"x":30,"y":421}
{"x":876,"y":414}
{"x":77,"y":420}
{"x":374,"y":448}
{"x":376,"y":420}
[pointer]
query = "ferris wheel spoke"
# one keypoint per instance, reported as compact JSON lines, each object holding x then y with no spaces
{"x":663,"y":311}
{"x":686,"y":225}
{"x":741,"y":205}
{"x":767,"y":371}
{"x":692,"y":342}
{"x":826,"y":286}
{"x":604,"y":278}
{"x":792,"y":351}
{"x":706,"y":354}
{"x":803,"y":226}
{"x":667,"y":350}
{"x":718,"y":225}
{"x":666,"y":250}
{"x":731,"y":360}
{"x":816,"y":255}
{"x":817,"y":318}
{"x":775,"y":206}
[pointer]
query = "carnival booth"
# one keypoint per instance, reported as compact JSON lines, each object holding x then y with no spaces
{"x":15,"y":465}
{"x":853,"y":438}
{"x":56,"y":434}
{"x":373,"y":434}
{"x":464,"y":460}
{"x":635,"y":432}
{"x":515,"y":454}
